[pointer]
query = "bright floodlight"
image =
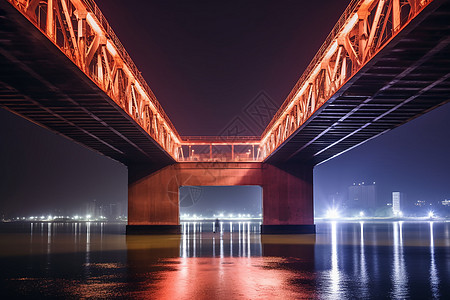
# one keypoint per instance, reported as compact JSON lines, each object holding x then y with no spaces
{"x":430,"y":214}
{"x":361,"y":214}
{"x":332,"y":213}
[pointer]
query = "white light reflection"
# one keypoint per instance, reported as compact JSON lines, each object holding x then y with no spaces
{"x":188,"y":241}
{"x":244,"y":244}
{"x":88,"y":247}
{"x":184,"y":241}
{"x":49,"y":237}
{"x":231,"y":239}
{"x":31,"y":235}
{"x":434,"y":277}
{"x":239,"y":240}
{"x":399,"y":276}
{"x":248,"y":239}
{"x":334,"y":274}
{"x":221,"y":245}
{"x":214,"y":245}
{"x":447,"y":237}
{"x":363,"y":266}
{"x":194,"y":240}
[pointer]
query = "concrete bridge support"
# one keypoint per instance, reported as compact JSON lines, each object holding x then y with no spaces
{"x":153,"y":200}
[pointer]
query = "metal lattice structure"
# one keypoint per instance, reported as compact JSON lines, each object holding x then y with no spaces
{"x":81,"y":32}
{"x":364,"y":28}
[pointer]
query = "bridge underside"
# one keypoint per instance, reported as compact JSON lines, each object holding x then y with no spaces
{"x":406,"y":79}
{"x":39,"y":83}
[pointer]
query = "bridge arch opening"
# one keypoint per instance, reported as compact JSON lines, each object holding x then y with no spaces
{"x":226,"y":203}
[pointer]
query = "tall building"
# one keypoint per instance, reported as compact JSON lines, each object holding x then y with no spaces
{"x":92,"y":209}
{"x":362,"y":196}
{"x":396,"y":201}
{"x":112,"y":211}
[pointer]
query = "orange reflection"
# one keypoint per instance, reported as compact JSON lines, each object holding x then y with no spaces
{"x":227,"y":278}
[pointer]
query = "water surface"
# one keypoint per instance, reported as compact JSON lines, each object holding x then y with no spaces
{"x":360,"y":260}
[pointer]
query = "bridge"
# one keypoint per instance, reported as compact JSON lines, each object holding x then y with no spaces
{"x":384,"y":63}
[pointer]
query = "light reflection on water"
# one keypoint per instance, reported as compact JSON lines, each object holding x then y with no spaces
{"x":361,"y":260}
{"x":399,"y":275}
{"x":363,"y":266}
{"x":240,"y":239}
{"x":434,"y":276}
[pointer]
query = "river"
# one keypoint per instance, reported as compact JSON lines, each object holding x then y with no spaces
{"x":351,"y":260}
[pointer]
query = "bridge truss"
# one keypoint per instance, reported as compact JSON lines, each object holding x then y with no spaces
{"x":365,"y":27}
{"x":80,"y":31}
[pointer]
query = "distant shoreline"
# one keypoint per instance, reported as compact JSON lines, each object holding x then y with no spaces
{"x":316,"y":220}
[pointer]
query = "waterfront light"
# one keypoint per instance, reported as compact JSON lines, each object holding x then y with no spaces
{"x":332,"y":213}
{"x":361,"y":214}
{"x":430,"y":214}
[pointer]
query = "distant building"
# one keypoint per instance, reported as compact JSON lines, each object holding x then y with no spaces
{"x":335,"y":199}
{"x":396,"y":201}
{"x":111,"y":211}
{"x":420,"y":203}
{"x":446,"y":202}
{"x":361,"y":196}
{"x":92,"y":209}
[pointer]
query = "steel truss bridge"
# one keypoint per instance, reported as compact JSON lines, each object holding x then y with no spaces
{"x":384,"y":63}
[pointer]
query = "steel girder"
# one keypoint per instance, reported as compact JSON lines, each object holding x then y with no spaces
{"x":365,"y":27}
{"x":81,"y":32}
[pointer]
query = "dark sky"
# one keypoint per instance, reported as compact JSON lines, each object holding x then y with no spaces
{"x":205,"y":61}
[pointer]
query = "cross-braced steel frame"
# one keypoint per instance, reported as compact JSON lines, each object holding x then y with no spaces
{"x":81,"y":32}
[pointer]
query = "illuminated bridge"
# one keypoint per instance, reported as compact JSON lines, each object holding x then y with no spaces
{"x":384,"y":63}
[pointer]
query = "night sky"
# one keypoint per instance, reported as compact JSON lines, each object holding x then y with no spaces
{"x":205,"y":61}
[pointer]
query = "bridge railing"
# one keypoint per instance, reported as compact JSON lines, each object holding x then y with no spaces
{"x":79,"y":29}
{"x":364,"y":28}
{"x":220,"y":149}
